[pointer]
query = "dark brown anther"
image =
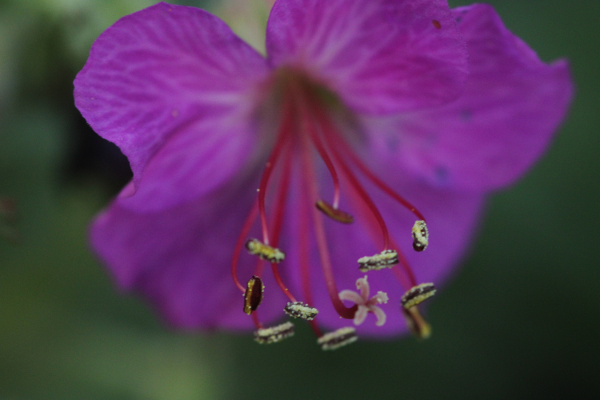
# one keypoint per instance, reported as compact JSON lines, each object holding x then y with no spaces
{"x":253,"y":295}
{"x":417,"y":325}
{"x":334,"y":213}
{"x":335,"y":340}
{"x":420,"y":235}
{"x":417,"y":294}
{"x":274,"y":334}
{"x":436,"y":24}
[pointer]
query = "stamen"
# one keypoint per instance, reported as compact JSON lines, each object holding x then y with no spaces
{"x":321,"y":238}
{"x":256,"y":320}
{"x":301,"y":310}
{"x":403,"y":272}
{"x":254,"y":294}
{"x":420,"y":235}
{"x":385,"y":259}
{"x":340,"y":308}
{"x":274,"y":334}
{"x":335,"y":340}
{"x":304,"y":218}
{"x":265,"y":252}
{"x":417,"y":294}
{"x":280,"y":202}
{"x":334,"y":213}
{"x":239,"y":243}
{"x":417,"y":325}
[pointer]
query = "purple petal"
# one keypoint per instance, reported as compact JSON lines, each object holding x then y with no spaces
{"x":172,"y":73}
{"x":379,"y":56}
{"x":489,"y":137}
{"x":180,"y":259}
{"x":194,"y":161}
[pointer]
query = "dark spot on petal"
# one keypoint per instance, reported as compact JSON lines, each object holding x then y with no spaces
{"x":436,"y":23}
{"x":392,"y":142}
{"x":460,"y":17}
{"x":441,"y":175}
{"x":466,"y":115}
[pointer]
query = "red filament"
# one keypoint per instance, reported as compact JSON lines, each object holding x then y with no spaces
{"x":306,"y":130}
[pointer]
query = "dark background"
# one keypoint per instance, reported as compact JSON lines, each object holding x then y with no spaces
{"x":520,"y":321}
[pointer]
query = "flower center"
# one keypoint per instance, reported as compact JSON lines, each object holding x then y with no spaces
{"x":309,"y":118}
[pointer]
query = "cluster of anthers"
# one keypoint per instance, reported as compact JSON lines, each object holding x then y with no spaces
{"x":304,"y":128}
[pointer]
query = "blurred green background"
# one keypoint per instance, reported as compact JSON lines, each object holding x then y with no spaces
{"x":520,"y":321}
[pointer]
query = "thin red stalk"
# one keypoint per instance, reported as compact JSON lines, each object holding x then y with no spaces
{"x":283,"y":190}
{"x":279,"y":281}
{"x":341,"y":309}
{"x":315,"y":328}
{"x":304,"y":255}
{"x":321,"y":238}
{"x":312,"y":133}
{"x":347,"y":149}
{"x":256,"y":321}
{"x":282,"y":135}
{"x":327,"y":133}
{"x":408,"y":279}
{"x":405,"y":266}
{"x":260,"y":264}
{"x":333,"y":138}
{"x":278,"y":221}
{"x":401,"y":277}
{"x":304,"y":248}
{"x":404,"y":278}
{"x":240,"y":243}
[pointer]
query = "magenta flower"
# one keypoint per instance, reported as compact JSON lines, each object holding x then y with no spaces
{"x":357,"y":104}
